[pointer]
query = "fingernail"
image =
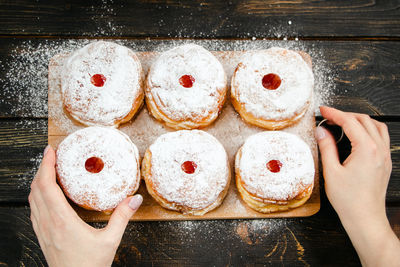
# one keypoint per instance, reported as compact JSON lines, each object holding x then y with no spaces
{"x":135,"y":202}
{"x":320,"y":133}
{"x":46,"y":150}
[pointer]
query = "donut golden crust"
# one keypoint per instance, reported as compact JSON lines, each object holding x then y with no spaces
{"x":272,"y":88}
{"x":101,"y":84}
{"x":270,"y":205}
{"x":146,"y":172}
{"x":189,"y":193}
{"x":180,"y":105}
{"x":260,"y":185}
{"x":97,"y":168}
{"x":266,"y":124}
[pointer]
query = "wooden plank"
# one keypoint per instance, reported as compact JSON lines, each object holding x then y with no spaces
{"x":358,"y":76}
{"x":195,"y":243}
{"x":205,"y":19}
{"x":21,"y":147}
{"x":22,"y":143}
{"x":144,"y":129}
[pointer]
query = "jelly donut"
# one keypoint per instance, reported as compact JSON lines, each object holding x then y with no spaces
{"x":274,"y":171}
{"x":186,"y":87}
{"x":101,"y":84}
{"x":272,"y":88}
{"x":187,"y":171}
{"x":98,"y":167}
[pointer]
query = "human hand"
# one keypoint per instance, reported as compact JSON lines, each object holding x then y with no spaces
{"x":357,"y":187}
{"x":65,"y":239}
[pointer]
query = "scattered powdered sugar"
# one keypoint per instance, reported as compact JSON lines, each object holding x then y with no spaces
{"x":26,"y":81}
{"x":119,"y":177}
{"x":103,"y":17}
{"x":25,"y":179}
{"x":290,"y":150}
{"x":259,"y":228}
{"x":31,"y":136}
{"x":194,"y":233}
{"x":201,"y":100}
{"x":197,"y":190}
{"x":95,"y":105}
{"x":24,"y":84}
{"x":293,"y":94}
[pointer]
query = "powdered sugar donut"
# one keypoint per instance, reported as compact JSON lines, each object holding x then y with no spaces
{"x":98,"y":167}
{"x":274,"y":171}
{"x":272,"y":88}
{"x":186,"y":87}
{"x":187,"y":171}
{"x":101,"y":84}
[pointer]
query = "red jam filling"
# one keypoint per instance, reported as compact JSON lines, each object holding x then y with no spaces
{"x":94,"y":165}
{"x":271,"y":81}
{"x":186,"y":81}
{"x":274,"y":165}
{"x":98,"y":80}
{"x":189,"y":167}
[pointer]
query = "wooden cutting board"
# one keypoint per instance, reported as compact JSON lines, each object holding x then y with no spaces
{"x":229,"y":129}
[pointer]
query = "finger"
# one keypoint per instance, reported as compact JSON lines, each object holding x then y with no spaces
{"x":368,"y":124}
{"x":121,"y":215}
{"x":383,"y":131}
{"x":50,"y":191}
{"x":47,"y":171}
{"x":55,"y":199}
{"x":350,"y":125}
{"x":327,"y":147}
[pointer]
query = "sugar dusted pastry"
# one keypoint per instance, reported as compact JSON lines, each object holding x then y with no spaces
{"x":187,"y":171}
{"x":101,"y":84}
{"x":98,"y":167}
{"x":274,"y":171}
{"x":186,"y":87}
{"x":272,"y":88}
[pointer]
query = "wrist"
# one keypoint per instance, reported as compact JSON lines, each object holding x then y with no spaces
{"x":369,"y":234}
{"x":365,"y":221}
{"x":363,"y":215}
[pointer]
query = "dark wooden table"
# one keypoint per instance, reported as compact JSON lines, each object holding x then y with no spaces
{"x":359,"y":41}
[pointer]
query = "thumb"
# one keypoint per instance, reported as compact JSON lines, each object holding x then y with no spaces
{"x":327,"y":147}
{"x":47,"y":170}
{"x":121,"y":215}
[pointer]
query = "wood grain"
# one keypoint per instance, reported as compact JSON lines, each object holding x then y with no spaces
{"x":319,"y":240}
{"x":363,"y":76}
{"x":367,"y":81}
{"x":21,"y":147}
{"x":201,"y":19}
